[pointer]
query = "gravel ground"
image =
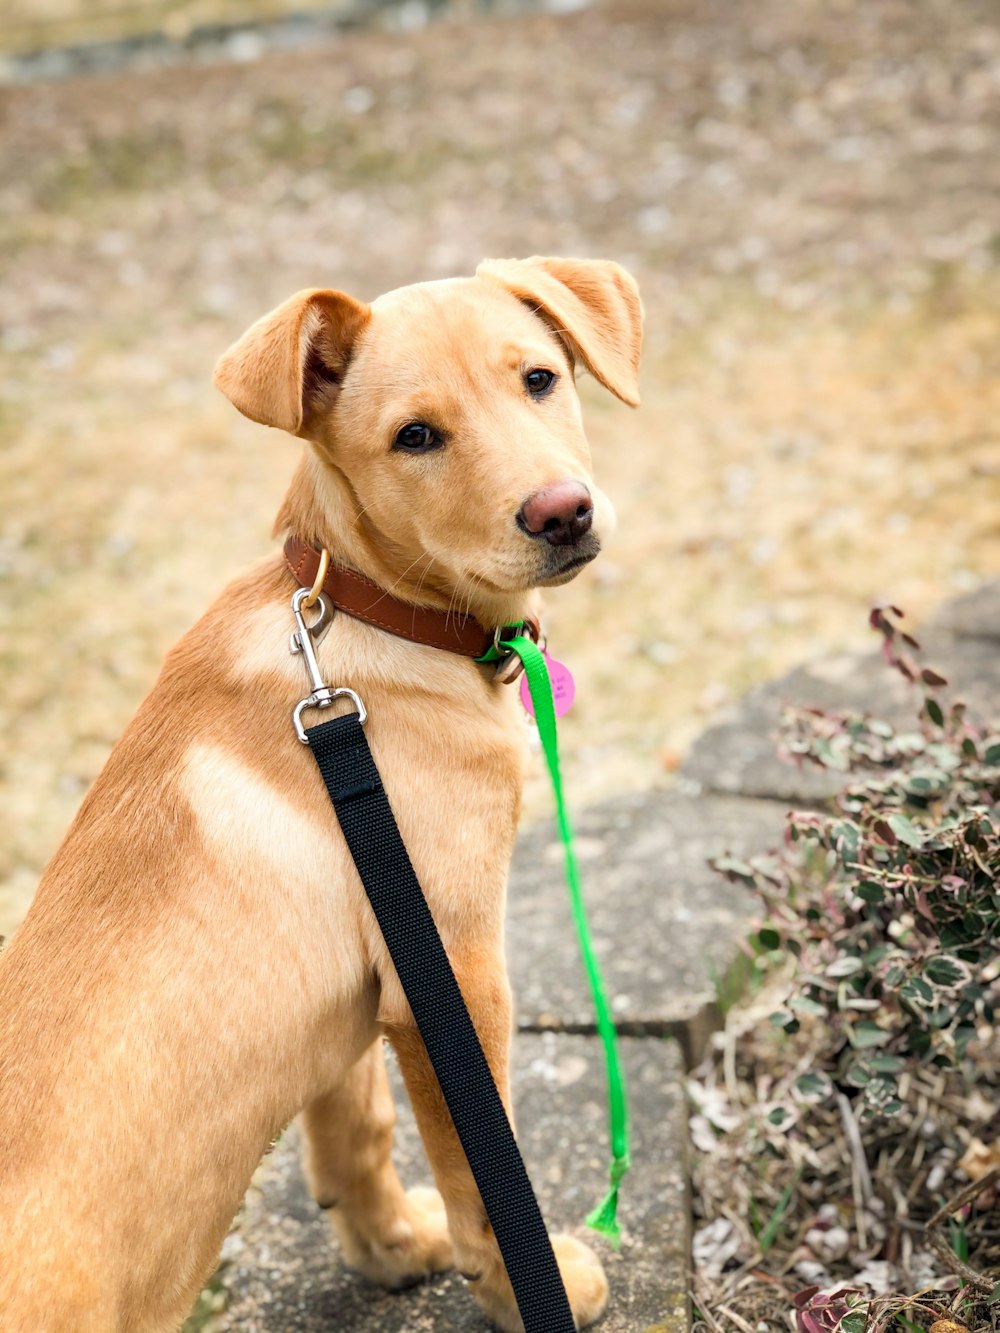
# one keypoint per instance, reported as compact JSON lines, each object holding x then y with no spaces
{"x":807,"y":194}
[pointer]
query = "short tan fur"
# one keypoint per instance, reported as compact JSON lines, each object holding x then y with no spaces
{"x":200,"y":963}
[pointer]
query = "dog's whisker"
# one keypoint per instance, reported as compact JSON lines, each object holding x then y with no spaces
{"x":360,"y":514}
{"x":427,"y":569}
{"x":424,"y":555}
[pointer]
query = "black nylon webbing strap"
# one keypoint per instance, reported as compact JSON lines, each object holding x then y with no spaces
{"x":428,"y":981}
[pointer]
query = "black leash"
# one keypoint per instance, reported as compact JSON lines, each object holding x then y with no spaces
{"x":352,"y":779}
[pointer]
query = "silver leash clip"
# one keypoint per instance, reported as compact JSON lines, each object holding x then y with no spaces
{"x":303,"y":639}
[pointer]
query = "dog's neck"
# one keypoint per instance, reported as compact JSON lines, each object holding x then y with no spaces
{"x":322,"y":508}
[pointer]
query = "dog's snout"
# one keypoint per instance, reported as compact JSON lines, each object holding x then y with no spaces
{"x":560,"y":514}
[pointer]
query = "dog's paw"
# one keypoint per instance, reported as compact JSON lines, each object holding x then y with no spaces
{"x":411,"y":1247}
{"x":582,"y":1275}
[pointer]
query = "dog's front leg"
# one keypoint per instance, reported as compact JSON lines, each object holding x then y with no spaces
{"x":487,"y":995}
{"x":393,"y":1237}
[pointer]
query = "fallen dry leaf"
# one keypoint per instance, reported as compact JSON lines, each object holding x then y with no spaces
{"x":978,"y":1159}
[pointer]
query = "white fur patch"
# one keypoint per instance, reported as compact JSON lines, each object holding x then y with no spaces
{"x":246,"y":820}
{"x":263,"y":647}
{"x":292,"y":872}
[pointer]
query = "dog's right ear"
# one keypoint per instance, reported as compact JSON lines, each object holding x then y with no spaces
{"x":592,"y":305}
{"x":288,"y":366}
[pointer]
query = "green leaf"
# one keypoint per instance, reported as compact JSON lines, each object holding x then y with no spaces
{"x":846,"y":839}
{"x":844,"y":967}
{"x":934,"y":712}
{"x":854,"y":1322}
{"x":871,"y":892}
{"x":944,"y":755}
{"x":945,"y":971}
{"x":829,"y":757}
{"x":994,"y":1297}
{"x":953,"y":935}
{"x":767,"y":1236}
{"x":919,"y":1039}
{"x":769,"y":939}
{"x":905,"y":830}
{"x":865,"y":1034}
{"x":779,"y":1116}
{"x":917,"y":990}
{"x":803,"y":1005}
{"x":992,"y":756}
{"x":813,"y":1085}
{"x":887,"y":1064}
{"x":962,"y":1036}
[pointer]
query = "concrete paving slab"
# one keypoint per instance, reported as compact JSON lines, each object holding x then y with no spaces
{"x":282,"y":1273}
{"x":665,"y":924}
{"x":975,"y":616}
{"x":738,"y":756}
{"x":971,"y":665}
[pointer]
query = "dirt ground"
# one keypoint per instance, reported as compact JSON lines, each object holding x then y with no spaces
{"x":807,"y":193}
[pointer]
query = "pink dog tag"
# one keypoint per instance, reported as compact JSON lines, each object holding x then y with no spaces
{"x":563,"y":688}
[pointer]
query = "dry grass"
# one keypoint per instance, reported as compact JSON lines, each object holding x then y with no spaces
{"x":819,"y":426}
{"x":36,"y":24}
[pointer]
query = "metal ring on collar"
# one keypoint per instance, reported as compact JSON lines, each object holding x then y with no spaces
{"x":317,"y":587}
{"x":510,"y":666}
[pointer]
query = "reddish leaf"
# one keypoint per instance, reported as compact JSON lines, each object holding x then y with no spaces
{"x":882,"y":831}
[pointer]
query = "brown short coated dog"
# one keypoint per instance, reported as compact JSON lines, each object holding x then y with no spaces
{"x":200,"y":963}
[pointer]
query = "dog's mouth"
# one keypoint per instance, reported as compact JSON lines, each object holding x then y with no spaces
{"x":552,"y":566}
{"x":569,"y":566}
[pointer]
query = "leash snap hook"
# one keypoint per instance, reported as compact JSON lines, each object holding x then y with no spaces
{"x":322,"y":698}
{"x":303,"y":637}
{"x":303,"y":640}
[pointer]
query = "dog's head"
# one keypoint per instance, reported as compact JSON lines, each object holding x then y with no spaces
{"x":445,"y":420}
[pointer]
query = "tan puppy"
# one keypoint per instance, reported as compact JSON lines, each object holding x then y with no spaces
{"x":200,"y":962}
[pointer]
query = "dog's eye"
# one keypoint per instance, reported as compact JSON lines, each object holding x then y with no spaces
{"x":417,"y":438}
{"x":539,"y":382}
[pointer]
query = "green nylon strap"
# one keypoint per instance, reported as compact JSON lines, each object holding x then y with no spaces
{"x":604,"y":1217}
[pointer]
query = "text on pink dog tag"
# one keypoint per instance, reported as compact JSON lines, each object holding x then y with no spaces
{"x":563,"y":687}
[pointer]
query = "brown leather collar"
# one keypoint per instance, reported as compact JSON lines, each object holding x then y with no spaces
{"x":358,"y":596}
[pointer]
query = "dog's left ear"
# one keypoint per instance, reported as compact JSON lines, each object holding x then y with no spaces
{"x":592,"y":304}
{"x":288,"y":366}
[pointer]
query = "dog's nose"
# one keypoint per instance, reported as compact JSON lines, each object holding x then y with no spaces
{"x":560,"y":514}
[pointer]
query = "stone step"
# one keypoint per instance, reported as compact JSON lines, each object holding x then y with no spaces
{"x":666,"y":926}
{"x":738,"y":755}
{"x":975,"y":616}
{"x":281,"y":1272}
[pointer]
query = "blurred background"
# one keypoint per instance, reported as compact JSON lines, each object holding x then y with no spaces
{"x":808,"y":194}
